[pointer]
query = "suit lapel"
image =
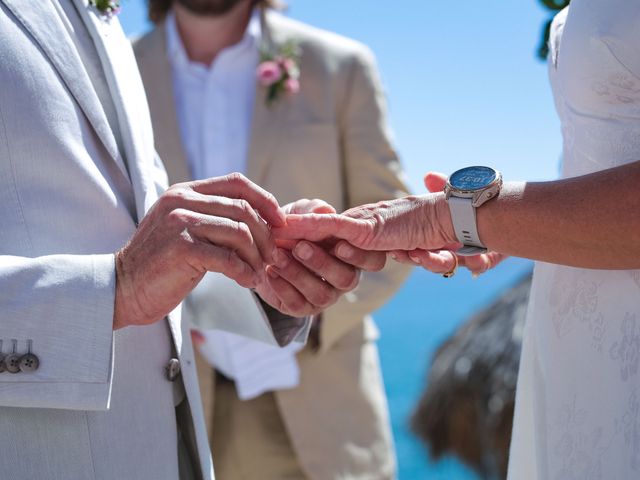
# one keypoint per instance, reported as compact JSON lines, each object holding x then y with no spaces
{"x":268,"y":122}
{"x":157,"y":77}
{"x":130,"y":101}
{"x":43,"y":24}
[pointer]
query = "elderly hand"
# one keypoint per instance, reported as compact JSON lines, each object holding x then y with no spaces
{"x":306,"y":277}
{"x":409,"y":223}
{"x":445,"y":261}
{"x":215,"y":225}
{"x":415,"y":230}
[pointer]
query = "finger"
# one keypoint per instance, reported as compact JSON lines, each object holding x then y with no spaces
{"x":315,"y":227}
{"x":308,"y":206}
{"x":362,"y":259}
{"x":324,"y":209}
{"x":479,"y":264}
{"x":320,"y":206}
{"x":337,"y":273}
{"x":316,"y":291}
{"x":239,"y":210}
{"x":291,"y":301}
{"x":401,"y":256}
{"x":286,"y":244}
{"x":441,"y":261}
{"x":212,"y":258}
{"x":236,"y":185}
{"x":435,"y":182}
{"x":222,"y":232}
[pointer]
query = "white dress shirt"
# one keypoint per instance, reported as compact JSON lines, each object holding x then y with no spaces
{"x":214,"y":105}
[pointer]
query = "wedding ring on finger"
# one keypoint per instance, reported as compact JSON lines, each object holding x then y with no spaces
{"x":452,"y":272}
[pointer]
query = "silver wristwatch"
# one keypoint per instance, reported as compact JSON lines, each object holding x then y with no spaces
{"x":466,"y":190}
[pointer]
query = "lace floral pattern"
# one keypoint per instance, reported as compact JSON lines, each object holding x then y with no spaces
{"x":626,"y":351}
{"x":583,"y":351}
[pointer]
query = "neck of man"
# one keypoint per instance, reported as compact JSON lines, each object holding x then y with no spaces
{"x":205,"y":36}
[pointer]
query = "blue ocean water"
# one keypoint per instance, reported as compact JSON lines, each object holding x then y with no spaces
{"x":426,"y":311}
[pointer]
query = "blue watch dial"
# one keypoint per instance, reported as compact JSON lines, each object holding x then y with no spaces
{"x":472,"y":178}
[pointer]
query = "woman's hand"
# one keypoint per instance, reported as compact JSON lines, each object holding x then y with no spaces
{"x":406,"y":224}
{"x":446,"y":261}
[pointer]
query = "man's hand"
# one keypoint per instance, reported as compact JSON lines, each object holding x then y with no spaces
{"x":215,"y":225}
{"x":306,"y":277}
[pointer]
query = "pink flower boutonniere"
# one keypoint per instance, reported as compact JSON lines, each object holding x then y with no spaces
{"x":107,"y":8}
{"x":279,"y":73}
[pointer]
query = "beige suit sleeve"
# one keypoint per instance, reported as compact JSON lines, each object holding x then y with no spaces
{"x":372,"y":173}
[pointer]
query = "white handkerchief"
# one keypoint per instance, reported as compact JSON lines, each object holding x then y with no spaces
{"x":255,"y":366}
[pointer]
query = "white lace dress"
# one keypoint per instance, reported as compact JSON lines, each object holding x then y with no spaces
{"x":578,"y":400}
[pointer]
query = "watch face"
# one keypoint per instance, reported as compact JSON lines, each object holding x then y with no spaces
{"x":472,"y":178}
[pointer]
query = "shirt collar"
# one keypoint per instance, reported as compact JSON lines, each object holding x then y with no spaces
{"x":178,"y":55}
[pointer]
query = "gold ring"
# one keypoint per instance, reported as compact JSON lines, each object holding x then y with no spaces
{"x":452,"y":272}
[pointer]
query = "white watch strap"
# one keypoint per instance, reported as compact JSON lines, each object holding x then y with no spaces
{"x":463,"y":216}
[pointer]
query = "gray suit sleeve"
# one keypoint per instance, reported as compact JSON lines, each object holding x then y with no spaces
{"x":64,"y":305}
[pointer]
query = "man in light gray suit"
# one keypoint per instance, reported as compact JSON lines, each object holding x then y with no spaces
{"x":97,"y":379}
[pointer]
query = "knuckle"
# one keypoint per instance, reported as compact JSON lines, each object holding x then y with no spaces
{"x":177,"y":217}
{"x":243,"y":231}
{"x":230,"y":262}
{"x":244,"y":209}
{"x":237,"y":179}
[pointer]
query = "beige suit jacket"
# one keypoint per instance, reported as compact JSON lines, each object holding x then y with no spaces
{"x":329,"y":141}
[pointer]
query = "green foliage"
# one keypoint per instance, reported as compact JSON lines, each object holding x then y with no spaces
{"x":554,"y":6}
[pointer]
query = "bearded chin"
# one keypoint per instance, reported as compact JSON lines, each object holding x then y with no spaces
{"x":211,"y":8}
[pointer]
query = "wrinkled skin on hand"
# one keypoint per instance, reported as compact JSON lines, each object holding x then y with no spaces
{"x":416,"y":230}
{"x":406,"y":223}
{"x":215,"y":225}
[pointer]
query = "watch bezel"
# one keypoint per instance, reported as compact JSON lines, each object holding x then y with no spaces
{"x":479,"y":195}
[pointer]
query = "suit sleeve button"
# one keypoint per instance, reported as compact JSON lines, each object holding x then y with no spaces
{"x":12,"y":363}
{"x":29,"y":363}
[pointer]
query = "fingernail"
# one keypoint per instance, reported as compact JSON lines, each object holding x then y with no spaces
{"x":345,"y":250}
{"x":475,"y":276}
{"x":281,"y":258}
{"x":394,"y":256}
{"x":304,"y":251}
{"x":415,"y":260}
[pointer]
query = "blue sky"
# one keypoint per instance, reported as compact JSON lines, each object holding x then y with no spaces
{"x":463,"y":84}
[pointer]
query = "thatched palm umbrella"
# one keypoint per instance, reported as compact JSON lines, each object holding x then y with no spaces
{"x":467,"y":408}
